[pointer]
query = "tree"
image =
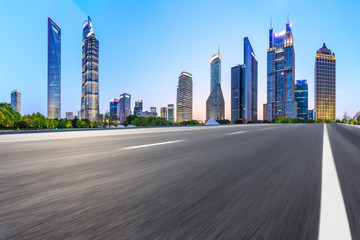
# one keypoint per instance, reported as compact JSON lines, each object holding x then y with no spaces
{"x":22,"y":125}
{"x":129,"y":119}
{"x":358,"y":120}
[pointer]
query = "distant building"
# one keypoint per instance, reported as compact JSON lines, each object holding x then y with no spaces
{"x":90,"y":73}
{"x":301,"y":98}
{"x":325,"y":84}
{"x":215,"y":104}
{"x":280,"y":75}
{"x":69,"y":115}
{"x":244,"y":82}
{"x":163,"y":112}
{"x":170,"y":115}
{"x":138,"y":107}
{"x":54,"y":70}
{"x":153,"y":110}
{"x":16,"y":100}
{"x":124,"y":106}
{"x":184,"y":98}
{"x":311,"y":114}
{"x":114,"y":109}
{"x":146,"y":114}
{"x":78,"y":116}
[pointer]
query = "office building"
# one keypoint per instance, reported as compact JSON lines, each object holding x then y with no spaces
{"x":280,"y":75}
{"x":114,"y":109}
{"x":163,"y":112}
{"x":215,"y":104}
{"x":170,"y":114}
{"x":90,"y":73}
{"x":301,"y":98}
{"x":138,"y":107}
{"x":325,"y":84}
{"x":16,"y":100}
{"x":69,"y":115}
{"x":78,"y":115}
{"x":244,"y":82}
{"x":146,"y":114}
{"x":54,"y":71}
{"x":311,"y":114}
{"x":184,"y":98}
{"x":124,"y":106}
{"x":153,"y":110}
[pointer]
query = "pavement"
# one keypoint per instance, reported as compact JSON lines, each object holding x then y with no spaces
{"x":261,"y":181}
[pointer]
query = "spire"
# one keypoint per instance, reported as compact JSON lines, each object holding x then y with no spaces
{"x":324,"y":45}
{"x":288,"y":19}
{"x":219,"y":48}
{"x":271,"y":23}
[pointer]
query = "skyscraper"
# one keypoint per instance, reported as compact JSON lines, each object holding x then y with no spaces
{"x":215,"y":104}
{"x":138,"y":107}
{"x":16,"y":100}
{"x":301,"y":98}
{"x":90,"y":73}
{"x":170,"y":115}
{"x":163,"y":112}
{"x":184,"y":98}
{"x":69,"y":115}
{"x":153,"y":111}
{"x":114,"y":109}
{"x":244,"y":81}
{"x":125,"y":106}
{"x":280,"y":75}
{"x":54,"y":70}
{"x":325,"y":84}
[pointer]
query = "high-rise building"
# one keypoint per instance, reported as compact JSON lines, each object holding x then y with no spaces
{"x":215,"y":104}
{"x":114,"y":109}
{"x":280,"y":75}
{"x":244,"y":81}
{"x":90,"y":73}
{"x":69,"y":115}
{"x":153,"y":110}
{"x":170,"y":115}
{"x":125,"y":106}
{"x":16,"y":100}
{"x":54,"y":70}
{"x":78,"y":116}
{"x":184,"y":98}
{"x":311,"y":114}
{"x":138,"y":107}
{"x":325,"y":84}
{"x":301,"y":98}
{"x":163,"y":112}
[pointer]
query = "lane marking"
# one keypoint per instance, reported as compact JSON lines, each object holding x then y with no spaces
{"x":152,"y":144}
{"x":334,"y":223}
{"x":236,"y":133}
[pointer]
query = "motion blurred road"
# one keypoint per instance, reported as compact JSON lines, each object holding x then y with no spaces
{"x":222,"y":182}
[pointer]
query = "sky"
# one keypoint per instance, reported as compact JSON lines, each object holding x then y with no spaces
{"x":145,"y":45}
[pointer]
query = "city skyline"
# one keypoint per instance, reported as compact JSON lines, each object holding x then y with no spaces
{"x":230,"y":50}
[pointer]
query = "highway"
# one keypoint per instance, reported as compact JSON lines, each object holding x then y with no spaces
{"x":269,"y":181}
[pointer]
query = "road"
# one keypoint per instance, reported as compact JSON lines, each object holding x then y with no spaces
{"x":223,"y":182}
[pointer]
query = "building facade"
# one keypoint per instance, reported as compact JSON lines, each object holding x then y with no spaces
{"x":311,"y":114}
{"x":301,"y":98}
{"x":325,"y":84}
{"x":16,"y":100}
{"x":184,"y":98}
{"x":90,"y":73}
{"x":237,"y":93}
{"x":163,"y":112}
{"x":138,"y":107}
{"x":170,"y":115}
{"x":54,"y":70}
{"x":124,"y":106}
{"x":114,"y":109}
{"x":215,"y":104}
{"x":280,"y":75}
{"x":69,"y":115}
{"x":153,"y":110}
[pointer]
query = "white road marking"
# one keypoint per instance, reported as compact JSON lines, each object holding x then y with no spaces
{"x":236,"y":133}
{"x":334,"y":223}
{"x":152,"y":144}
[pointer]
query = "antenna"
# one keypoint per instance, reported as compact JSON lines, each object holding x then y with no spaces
{"x":270,"y":23}
{"x":288,"y":19}
{"x":219,"y":48}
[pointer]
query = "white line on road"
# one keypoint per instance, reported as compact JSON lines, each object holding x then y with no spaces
{"x":236,"y":133}
{"x":334,"y":223}
{"x":152,"y":144}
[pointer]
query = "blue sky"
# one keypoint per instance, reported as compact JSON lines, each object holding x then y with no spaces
{"x":145,"y":45}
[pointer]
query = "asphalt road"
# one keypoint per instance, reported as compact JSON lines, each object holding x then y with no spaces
{"x":227,"y":182}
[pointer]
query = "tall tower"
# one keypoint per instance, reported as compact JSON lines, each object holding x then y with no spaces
{"x":125,"y":106}
{"x":215,"y":104}
{"x":301,"y":98}
{"x":90,"y":73}
{"x":184,"y":98}
{"x":138,"y":107}
{"x":170,"y":116}
{"x":280,"y":75}
{"x":114,"y":109}
{"x":325,"y":84}
{"x":54,"y":70}
{"x":16,"y":100}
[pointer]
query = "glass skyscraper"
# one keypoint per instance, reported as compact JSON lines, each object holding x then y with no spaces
{"x":138,"y":107}
{"x":163,"y":112}
{"x":54,"y":70}
{"x":244,"y":82}
{"x":114,"y":109}
{"x":90,"y":73}
{"x":301,"y":98}
{"x":153,"y":111}
{"x":184,"y":98}
{"x":16,"y":100}
{"x":170,"y":116}
{"x":325,"y":84}
{"x":124,"y":106}
{"x":280,"y":75}
{"x":215,"y":104}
